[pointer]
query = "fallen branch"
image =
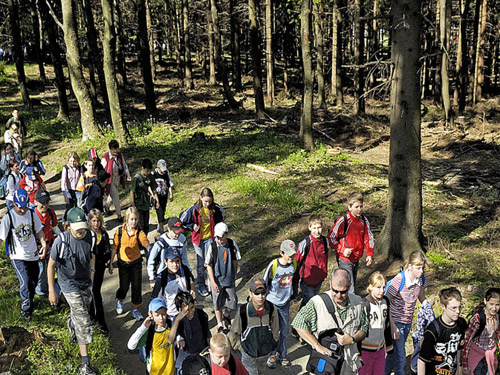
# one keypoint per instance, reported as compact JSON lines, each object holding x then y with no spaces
{"x":259,"y":168}
{"x":323,"y":133}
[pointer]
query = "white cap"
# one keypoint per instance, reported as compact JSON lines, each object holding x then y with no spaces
{"x":162,"y":165}
{"x":220,"y":229}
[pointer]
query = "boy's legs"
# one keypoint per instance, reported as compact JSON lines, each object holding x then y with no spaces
{"x":482,"y":367}
{"x":284,"y":319}
{"x":160,"y":212}
{"x":27,"y":274}
{"x":308,"y":292}
{"x":252,"y":364}
{"x":144,"y":221}
{"x":200,"y":263}
{"x":42,"y":288}
{"x":115,"y":197}
{"x":352,"y":268}
{"x":97,"y":308}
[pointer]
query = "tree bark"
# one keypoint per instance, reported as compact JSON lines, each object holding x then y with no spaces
{"x":308,"y":75}
{"x":89,"y":126}
{"x":374,"y":53}
{"x":320,"y":61}
{"x":256,"y":58}
{"x":460,"y":94}
{"x":359,"y":76}
{"x":235,"y":47}
{"x":211,"y":54}
{"x":402,"y":232}
{"x":479,"y":66}
{"x":38,"y":44}
{"x":145,"y":57}
{"x":337,"y":54}
{"x":120,"y":129}
{"x":269,"y":53}
{"x":55,"y":55}
{"x":119,"y":45}
{"x":149,"y":26}
{"x":188,"y":76}
{"x":18,"y":52}
{"x":444,"y":36}
{"x":436,"y":60}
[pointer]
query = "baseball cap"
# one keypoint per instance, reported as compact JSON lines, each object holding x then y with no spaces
{"x":175,"y":225}
{"x":157,"y":304}
{"x":76,"y":219}
{"x":257,"y":282}
{"x":195,"y":364}
{"x":21,"y":198}
{"x":102,"y":175}
{"x":172,"y":253}
{"x":288,"y":247}
{"x":30,"y":172}
{"x":220,"y":229}
{"x":42,"y":196}
{"x":162,"y":165}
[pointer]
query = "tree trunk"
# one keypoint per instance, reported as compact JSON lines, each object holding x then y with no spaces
{"x":17,"y":50}
{"x":269,"y":53}
{"x":120,"y":129}
{"x":359,"y":76}
{"x":235,"y":47}
{"x":436,"y":60}
{"x":188,"y":77}
{"x":308,"y":76}
{"x":256,"y":56}
{"x":402,"y":232}
{"x":444,"y":36}
{"x":38,"y":44}
{"x":89,"y":126}
{"x":119,"y":44}
{"x":374,"y":53}
{"x":55,"y":55}
{"x":149,"y":25}
{"x":320,"y":63}
{"x":144,"y":57}
{"x":177,"y":42}
{"x":460,"y":94}
{"x":479,"y":66}
{"x":211,"y":54}
{"x":337,"y":54}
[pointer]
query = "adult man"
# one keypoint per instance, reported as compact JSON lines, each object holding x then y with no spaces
{"x":314,"y":318}
{"x":114,"y":163}
{"x":18,"y":230}
{"x":73,"y":253}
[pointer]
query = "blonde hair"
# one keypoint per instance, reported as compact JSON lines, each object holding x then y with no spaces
{"x":416,"y":258}
{"x":98,"y":214}
{"x":220,"y":341}
{"x":376,"y":280}
{"x":354,"y":197}
{"x":315,"y":219}
{"x":131,"y":211}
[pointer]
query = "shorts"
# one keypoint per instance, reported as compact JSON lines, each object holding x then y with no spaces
{"x":79,"y":304}
{"x":225,"y":298}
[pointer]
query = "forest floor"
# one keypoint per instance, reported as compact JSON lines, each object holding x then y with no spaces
{"x":269,"y":186}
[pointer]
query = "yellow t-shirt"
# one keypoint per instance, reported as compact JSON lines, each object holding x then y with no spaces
{"x":205,"y":224}
{"x":162,"y":355}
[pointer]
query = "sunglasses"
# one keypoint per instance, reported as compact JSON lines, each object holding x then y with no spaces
{"x":259,"y":292}
{"x":342,"y":292}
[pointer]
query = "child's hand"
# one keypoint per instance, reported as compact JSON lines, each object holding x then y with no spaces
{"x":183,"y":312}
{"x":395,"y":333}
{"x":369,"y":261}
{"x":215,"y":287}
{"x":181,"y":344}
{"x":148,"y":321}
{"x":111,"y":268}
{"x":347,"y":252}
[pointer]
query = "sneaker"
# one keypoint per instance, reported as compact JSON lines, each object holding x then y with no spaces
{"x":285,"y":362}
{"x":71,"y":329}
{"x":220,"y":328}
{"x":26,"y":315}
{"x":203,"y":292}
{"x":119,"y":307}
{"x":87,"y":369}
{"x":271,"y":361}
{"x":137,"y":315}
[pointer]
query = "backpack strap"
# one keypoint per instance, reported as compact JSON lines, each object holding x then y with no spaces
{"x":9,"y":248}
{"x":33,"y":223}
{"x":63,"y":244}
{"x":120,"y":232}
{"x":149,"y":339}
{"x":188,"y":275}
{"x":435,"y":323}
{"x":329,"y":306}
{"x":243,"y":317}
{"x":306,"y":252}
{"x":232,"y":364}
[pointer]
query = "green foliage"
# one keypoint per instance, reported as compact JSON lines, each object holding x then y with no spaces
{"x":2,"y":68}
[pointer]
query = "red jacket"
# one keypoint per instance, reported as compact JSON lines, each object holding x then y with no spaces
{"x":109,"y":167}
{"x":315,"y":268}
{"x":359,"y":237}
{"x":32,"y":187}
{"x":191,"y":216}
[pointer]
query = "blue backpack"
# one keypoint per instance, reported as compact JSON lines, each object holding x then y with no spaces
{"x":402,"y":283}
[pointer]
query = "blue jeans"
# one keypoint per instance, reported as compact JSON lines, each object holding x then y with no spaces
{"x":397,"y":359}
{"x":352,"y":268}
{"x":284,"y":320}
{"x":308,"y":292}
{"x":481,"y":368}
{"x":27,"y":274}
{"x":42,"y":288}
{"x":200,"y":262}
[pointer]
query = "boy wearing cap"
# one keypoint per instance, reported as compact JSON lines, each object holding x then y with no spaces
{"x":164,"y":190}
{"x":255,"y":328}
{"x":157,"y":339}
{"x":282,"y":281}
{"x":73,"y":255}
{"x":96,"y":193}
{"x":175,"y":278}
{"x":174,"y":238}
{"x":144,"y":186}
{"x":221,"y":261}
{"x":31,"y":182}
{"x":18,"y":230}
{"x":48,"y":219}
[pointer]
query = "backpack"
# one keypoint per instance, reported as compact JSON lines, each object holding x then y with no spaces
{"x":306,"y":252}
{"x":82,"y":199}
{"x":213,"y":248}
{"x":232,"y":362}
{"x":65,"y":243}
{"x":344,"y":232}
{"x":9,"y":249}
{"x":142,"y":184}
{"x":402,"y":284}
{"x":275,"y":267}
{"x":120,"y":233}
{"x":244,"y":316}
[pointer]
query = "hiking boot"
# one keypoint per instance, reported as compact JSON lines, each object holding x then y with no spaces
{"x":26,"y":315}
{"x":119,"y":307}
{"x":71,"y":329}
{"x":87,"y":369}
{"x":271,"y":361}
{"x":137,"y":315}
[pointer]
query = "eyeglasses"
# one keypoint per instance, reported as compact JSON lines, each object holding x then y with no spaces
{"x":259,"y":292}
{"x":455,"y":308}
{"x":342,"y":292}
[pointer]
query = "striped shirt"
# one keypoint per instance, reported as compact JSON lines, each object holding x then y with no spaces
{"x":403,"y":302}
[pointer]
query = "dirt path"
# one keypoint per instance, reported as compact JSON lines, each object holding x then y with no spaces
{"x":122,"y":326}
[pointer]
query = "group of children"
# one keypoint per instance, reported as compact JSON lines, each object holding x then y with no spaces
{"x":175,"y":335}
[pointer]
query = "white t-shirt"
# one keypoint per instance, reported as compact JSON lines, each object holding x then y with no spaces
{"x":24,"y":244}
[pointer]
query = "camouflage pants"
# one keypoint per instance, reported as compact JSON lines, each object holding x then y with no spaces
{"x":79,"y":303}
